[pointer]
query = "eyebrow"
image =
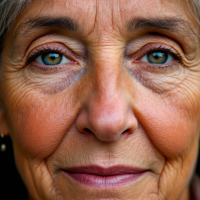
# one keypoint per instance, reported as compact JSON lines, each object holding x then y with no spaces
{"x":65,"y":23}
{"x":170,"y":24}
{"x":61,"y":22}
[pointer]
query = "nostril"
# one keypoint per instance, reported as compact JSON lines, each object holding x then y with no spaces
{"x":86,"y":130}
{"x":126,"y":131}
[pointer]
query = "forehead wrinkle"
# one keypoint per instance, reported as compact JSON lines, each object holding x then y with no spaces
{"x":104,"y":19}
{"x":117,"y":16}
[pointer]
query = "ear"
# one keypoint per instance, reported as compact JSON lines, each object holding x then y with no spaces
{"x":3,"y":123}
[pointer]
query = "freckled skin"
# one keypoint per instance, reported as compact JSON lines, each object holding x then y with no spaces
{"x":104,"y":109}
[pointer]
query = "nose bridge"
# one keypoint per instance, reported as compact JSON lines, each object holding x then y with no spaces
{"x":107,"y":79}
{"x":106,"y":67}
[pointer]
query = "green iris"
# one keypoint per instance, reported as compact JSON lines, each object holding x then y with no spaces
{"x":52,"y":58}
{"x":157,"y":57}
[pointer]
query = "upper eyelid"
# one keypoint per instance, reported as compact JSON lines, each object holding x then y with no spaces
{"x":39,"y":51}
{"x":54,"y":48}
{"x":163,"y":49}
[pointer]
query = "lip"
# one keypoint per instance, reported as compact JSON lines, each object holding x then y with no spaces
{"x":96,"y":176}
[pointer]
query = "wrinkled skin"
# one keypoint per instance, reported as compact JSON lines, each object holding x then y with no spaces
{"x":107,"y":106}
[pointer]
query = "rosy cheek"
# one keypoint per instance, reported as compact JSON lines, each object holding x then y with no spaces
{"x":42,"y":124}
{"x":168,"y":126}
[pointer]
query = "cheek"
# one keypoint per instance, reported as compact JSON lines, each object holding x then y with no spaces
{"x":41,"y":123}
{"x":170,"y":127}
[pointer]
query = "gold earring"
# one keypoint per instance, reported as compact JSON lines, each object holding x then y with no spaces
{"x":3,"y":146}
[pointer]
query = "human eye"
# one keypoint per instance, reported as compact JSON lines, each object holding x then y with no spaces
{"x":160,"y":56}
{"x":52,"y":58}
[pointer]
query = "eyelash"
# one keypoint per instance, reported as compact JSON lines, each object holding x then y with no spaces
{"x":170,"y":50}
{"x":42,"y":50}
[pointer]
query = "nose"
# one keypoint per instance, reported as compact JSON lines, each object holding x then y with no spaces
{"x":107,"y":111}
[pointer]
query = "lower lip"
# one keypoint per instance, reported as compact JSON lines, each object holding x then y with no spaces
{"x":104,"y":181}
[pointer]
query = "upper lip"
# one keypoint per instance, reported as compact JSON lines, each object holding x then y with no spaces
{"x":101,"y":171}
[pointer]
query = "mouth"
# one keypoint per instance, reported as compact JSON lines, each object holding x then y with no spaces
{"x":96,"y":176}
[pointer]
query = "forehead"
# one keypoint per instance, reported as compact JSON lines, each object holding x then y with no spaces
{"x":95,"y":16}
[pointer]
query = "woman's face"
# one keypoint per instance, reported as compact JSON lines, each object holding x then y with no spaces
{"x":101,"y":98}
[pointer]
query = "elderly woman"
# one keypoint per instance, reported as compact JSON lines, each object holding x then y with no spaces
{"x":101,"y":98}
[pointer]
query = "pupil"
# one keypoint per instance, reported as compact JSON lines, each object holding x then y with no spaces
{"x":157,"y":57}
{"x":52,"y":58}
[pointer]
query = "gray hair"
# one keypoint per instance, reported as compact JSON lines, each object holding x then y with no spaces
{"x":194,"y":7}
{"x":10,"y":9}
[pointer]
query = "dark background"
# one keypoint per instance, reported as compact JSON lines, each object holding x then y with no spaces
{"x":11,"y":185}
